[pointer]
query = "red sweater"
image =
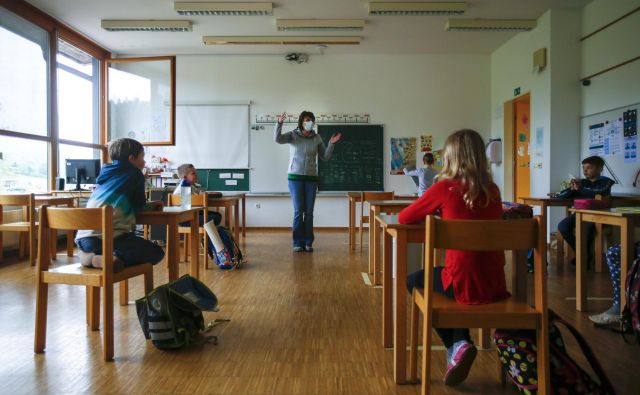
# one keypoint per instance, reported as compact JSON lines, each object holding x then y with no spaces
{"x":477,"y":277}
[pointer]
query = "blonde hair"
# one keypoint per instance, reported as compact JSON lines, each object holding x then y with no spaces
{"x":465,"y":160}
{"x":184,"y":169}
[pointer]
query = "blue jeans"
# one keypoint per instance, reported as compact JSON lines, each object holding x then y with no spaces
{"x":567,"y":226}
{"x":132,"y":250}
{"x":303,"y":194}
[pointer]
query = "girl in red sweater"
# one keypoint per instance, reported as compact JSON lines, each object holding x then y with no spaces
{"x":464,"y":190}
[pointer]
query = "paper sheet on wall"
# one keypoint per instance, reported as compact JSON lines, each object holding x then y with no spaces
{"x":631,"y":149}
{"x":596,"y":139}
{"x":230,"y":182}
{"x":613,"y":137}
{"x":403,"y":154}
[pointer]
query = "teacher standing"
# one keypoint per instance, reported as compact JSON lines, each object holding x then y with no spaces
{"x":305,"y":145}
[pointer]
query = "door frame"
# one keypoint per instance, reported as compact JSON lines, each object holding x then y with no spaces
{"x":510,"y":145}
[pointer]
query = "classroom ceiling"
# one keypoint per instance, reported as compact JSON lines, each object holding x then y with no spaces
{"x":381,"y":34}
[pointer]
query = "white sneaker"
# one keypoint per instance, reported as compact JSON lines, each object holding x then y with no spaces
{"x":605,"y":318}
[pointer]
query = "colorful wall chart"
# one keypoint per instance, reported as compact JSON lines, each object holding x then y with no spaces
{"x":403,"y":154}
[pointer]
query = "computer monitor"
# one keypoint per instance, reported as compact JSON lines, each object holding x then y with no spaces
{"x":82,"y":171}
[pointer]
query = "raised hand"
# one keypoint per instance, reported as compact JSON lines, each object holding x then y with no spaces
{"x":282,"y":117}
{"x":335,"y":138}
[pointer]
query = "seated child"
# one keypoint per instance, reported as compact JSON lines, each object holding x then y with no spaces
{"x":425,"y":175}
{"x":187,"y":172}
{"x":587,"y":188}
{"x":464,"y":190}
{"x":612,"y":315}
{"x":121,"y":185}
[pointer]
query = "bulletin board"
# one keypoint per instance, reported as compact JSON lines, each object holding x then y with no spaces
{"x":613,"y":135}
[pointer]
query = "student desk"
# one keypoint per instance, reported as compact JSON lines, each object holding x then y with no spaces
{"x":356,"y":197}
{"x":41,"y":200}
{"x":243,"y":202}
{"x":394,"y":317}
{"x":377,"y":207}
{"x":544,"y":203}
{"x":627,"y":222}
{"x":228,"y":202}
{"x":77,"y":195}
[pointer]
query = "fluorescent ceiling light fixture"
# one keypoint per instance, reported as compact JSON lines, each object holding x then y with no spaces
{"x":218,"y":8}
{"x":319,"y":24}
{"x":462,"y":25}
{"x":418,"y":8}
{"x":281,"y":40}
{"x":146,"y":26}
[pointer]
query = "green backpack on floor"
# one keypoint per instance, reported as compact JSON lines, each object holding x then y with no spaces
{"x":171,"y":314}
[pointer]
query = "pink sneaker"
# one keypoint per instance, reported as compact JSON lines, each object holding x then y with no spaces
{"x":459,"y":366}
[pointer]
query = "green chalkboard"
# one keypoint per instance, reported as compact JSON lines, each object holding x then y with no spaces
{"x":210,"y":179}
{"x":357,"y":162}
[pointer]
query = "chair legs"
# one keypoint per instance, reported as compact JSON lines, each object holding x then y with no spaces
{"x":124,"y":292}
{"x":107,"y":319}
{"x":426,"y":356}
{"x":148,"y":281}
{"x":42,"y":299}
{"x":93,"y":308}
{"x":501,"y":373}
{"x":1,"y":247}
{"x":186,"y":247}
{"x":544,"y":377}
{"x":413,"y":343}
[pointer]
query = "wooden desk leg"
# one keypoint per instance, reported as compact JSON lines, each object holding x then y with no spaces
{"x":598,"y":248}
{"x":371,"y":231}
{"x":374,"y":247}
{"x":484,"y":338}
{"x":124,"y":292}
{"x":352,"y":224}
{"x":195,"y":245}
{"x":560,"y":252}
{"x":236,"y":220}
{"x":581,"y":264}
{"x":70,"y":235}
{"x":400,"y":321}
{"x":227,"y":217}
{"x":173,"y":249}
{"x":244,"y":216}
{"x":627,"y":252}
{"x":387,"y":290}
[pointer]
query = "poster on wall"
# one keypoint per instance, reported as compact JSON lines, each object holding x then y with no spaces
{"x":438,"y":159}
{"x":426,"y":143}
{"x":403,"y":154}
{"x":596,"y":139}
{"x":613,"y":137}
{"x":630,"y":133}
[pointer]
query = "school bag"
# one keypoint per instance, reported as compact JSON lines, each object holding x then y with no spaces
{"x":517,"y":352}
{"x":171,"y":314}
{"x":631,"y":314}
{"x":516,"y":211}
{"x":226,"y":252}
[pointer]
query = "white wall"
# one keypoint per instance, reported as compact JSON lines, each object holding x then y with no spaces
{"x":616,"y":44}
{"x":511,"y":67}
{"x":555,"y":96}
{"x":409,"y":94}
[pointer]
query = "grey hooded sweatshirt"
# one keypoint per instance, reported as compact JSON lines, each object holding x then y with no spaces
{"x":302,"y":152}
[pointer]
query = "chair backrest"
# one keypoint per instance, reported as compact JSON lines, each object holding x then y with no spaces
{"x":367,"y":196}
{"x":59,"y":218}
{"x":196,"y":200}
{"x":23,"y":200}
{"x":489,"y":235}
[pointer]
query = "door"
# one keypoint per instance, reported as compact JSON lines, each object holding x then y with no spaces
{"x":522,"y":158}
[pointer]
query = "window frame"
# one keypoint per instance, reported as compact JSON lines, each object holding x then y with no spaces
{"x":58,"y":30}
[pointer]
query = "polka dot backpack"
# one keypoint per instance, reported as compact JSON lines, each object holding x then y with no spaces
{"x":517,"y":352}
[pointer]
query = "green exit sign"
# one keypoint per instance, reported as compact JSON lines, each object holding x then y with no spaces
{"x":516,"y":91}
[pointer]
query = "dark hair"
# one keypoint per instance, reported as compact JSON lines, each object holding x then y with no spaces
{"x":303,"y":115}
{"x":120,"y":149}
{"x":184,"y":169}
{"x":594,"y":160}
{"x":428,"y":158}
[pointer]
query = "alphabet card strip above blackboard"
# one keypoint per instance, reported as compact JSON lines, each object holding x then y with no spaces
{"x":320,"y":118}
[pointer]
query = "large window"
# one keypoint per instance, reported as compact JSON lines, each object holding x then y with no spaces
{"x":23,"y":77}
{"x":23,"y":165}
{"x":78,"y":95}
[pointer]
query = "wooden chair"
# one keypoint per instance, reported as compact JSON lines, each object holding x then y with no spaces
{"x":75,"y":274}
{"x":196,"y":200}
{"x":366,"y":196}
{"x":26,"y":228}
{"x":442,"y":312}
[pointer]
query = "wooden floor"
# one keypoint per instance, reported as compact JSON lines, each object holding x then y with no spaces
{"x":301,"y":323}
